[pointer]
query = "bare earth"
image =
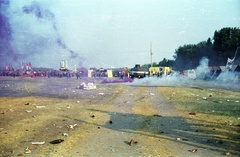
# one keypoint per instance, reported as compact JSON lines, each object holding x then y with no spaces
{"x":97,"y":122}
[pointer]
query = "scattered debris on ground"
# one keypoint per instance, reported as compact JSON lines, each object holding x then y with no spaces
{"x":38,"y":143}
{"x":160,"y":128}
{"x":204,"y":98}
{"x":157,"y":115}
{"x":192,"y":113}
{"x":193,"y":150}
{"x":65,"y":134}
{"x":72,"y":126}
{"x":40,"y":107}
{"x":57,"y":141}
{"x":27,"y":151}
{"x":87,"y":86}
{"x":132,"y":142}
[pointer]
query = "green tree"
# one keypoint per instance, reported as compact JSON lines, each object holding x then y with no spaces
{"x":154,"y":64}
{"x":146,"y":66}
{"x":226,"y":42}
{"x":189,"y":56}
{"x":223,"y":46}
{"x":166,"y":62}
{"x":185,"y":57}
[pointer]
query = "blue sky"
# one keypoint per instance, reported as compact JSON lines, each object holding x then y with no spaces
{"x":112,"y":33}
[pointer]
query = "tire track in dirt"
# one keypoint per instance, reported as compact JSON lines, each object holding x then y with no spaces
{"x":132,"y":116}
{"x":152,"y":122}
{"x":103,"y":138}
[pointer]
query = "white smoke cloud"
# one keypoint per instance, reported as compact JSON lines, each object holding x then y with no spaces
{"x":203,"y":70}
{"x":227,"y":80}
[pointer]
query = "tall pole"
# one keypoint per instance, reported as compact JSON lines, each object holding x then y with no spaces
{"x":151,"y":53}
{"x":235,"y":54}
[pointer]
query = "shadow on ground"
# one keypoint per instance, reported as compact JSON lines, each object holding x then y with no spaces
{"x":174,"y":129}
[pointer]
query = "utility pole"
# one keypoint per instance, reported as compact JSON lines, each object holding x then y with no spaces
{"x":151,"y":53}
{"x":235,"y":55}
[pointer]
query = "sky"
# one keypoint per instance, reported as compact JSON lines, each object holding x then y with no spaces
{"x":107,"y":33}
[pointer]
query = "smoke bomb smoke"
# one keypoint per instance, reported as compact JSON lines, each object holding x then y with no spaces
{"x":46,"y":14}
{"x":227,"y":80}
{"x":29,"y":31}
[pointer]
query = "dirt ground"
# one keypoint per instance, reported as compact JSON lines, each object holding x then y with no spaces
{"x":36,"y":113}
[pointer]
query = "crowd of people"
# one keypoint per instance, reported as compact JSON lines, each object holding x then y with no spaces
{"x":59,"y":73}
{"x":40,"y":73}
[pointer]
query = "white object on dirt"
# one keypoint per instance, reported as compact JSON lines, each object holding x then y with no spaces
{"x":100,"y":93}
{"x":27,"y":151}
{"x":28,"y":111}
{"x":228,"y":154}
{"x":87,"y":86}
{"x":204,"y":98}
{"x":38,"y":142}
{"x":65,"y":134}
{"x":72,"y":126}
{"x":40,"y":106}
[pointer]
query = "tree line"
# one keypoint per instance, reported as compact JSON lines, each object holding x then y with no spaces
{"x":217,"y":49}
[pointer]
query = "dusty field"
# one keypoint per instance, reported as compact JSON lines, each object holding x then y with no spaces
{"x":102,"y":122}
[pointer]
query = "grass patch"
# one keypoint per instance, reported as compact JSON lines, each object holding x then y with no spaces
{"x":217,"y":113}
{"x":207,"y":101}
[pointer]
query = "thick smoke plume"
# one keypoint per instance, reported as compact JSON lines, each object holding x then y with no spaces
{"x":227,"y":79}
{"x":6,"y":49}
{"x":203,"y":70}
{"x":41,"y":13}
{"x":29,"y":33}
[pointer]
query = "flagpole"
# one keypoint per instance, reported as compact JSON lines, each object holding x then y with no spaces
{"x":235,"y":54}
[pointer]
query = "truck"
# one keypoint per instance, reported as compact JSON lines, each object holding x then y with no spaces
{"x":138,"y":72}
{"x":191,"y":74}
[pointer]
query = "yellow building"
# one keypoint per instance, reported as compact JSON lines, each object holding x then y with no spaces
{"x":158,"y":70}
